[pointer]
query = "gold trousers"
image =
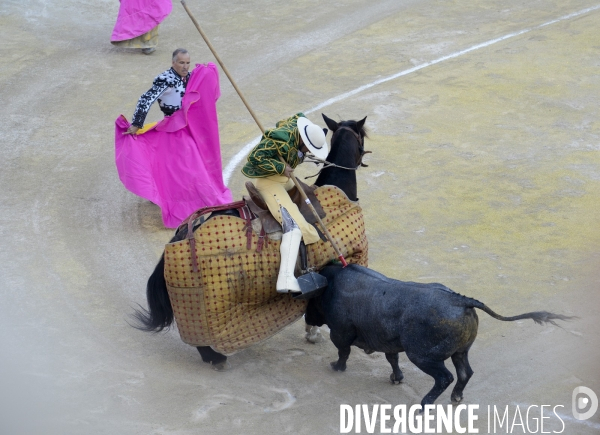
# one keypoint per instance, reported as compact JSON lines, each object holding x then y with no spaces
{"x":273,"y":190}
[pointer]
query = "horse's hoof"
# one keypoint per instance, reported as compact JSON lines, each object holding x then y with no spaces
{"x":222,"y":366}
{"x":314,"y":338}
{"x":313,"y":334}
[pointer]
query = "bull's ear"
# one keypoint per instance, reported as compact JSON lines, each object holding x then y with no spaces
{"x":333,"y":126}
{"x":325,"y":131}
{"x":360,"y":124}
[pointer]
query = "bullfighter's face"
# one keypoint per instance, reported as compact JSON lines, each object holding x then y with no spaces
{"x":181,"y":64}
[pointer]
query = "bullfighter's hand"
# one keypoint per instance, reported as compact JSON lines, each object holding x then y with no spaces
{"x":132,"y":130}
{"x":288,"y":171}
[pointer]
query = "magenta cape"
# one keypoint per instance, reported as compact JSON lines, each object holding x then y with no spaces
{"x":177,"y":163}
{"x":137,"y":17}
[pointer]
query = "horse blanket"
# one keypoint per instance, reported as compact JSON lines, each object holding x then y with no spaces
{"x":231,"y":302}
{"x":177,"y":163}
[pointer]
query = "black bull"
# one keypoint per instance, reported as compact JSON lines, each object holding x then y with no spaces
{"x":429,"y":322}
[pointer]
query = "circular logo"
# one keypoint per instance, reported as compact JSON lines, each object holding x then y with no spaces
{"x":585,"y":403}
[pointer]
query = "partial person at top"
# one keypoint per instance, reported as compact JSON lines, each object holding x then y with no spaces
{"x":137,"y":24}
{"x":168,"y":88}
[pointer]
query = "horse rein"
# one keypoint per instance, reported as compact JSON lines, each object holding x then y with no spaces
{"x":327,"y":164}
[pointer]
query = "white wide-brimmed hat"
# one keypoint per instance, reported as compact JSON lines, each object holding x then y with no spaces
{"x":313,"y":137}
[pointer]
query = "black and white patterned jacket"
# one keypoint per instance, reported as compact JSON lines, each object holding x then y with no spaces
{"x":169,"y":89}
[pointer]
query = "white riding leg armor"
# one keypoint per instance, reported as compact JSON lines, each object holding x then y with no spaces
{"x":290,"y":242}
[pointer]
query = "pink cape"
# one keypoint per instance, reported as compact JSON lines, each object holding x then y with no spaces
{"x":137,"y":17}
{"x":177,"y":163}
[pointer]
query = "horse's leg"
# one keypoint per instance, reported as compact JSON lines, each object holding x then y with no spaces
{"x":313,"y":334}
{"x":396,"y":375}
{"x":464,"y":373}
{"x":218,"y":361}
{"x":210,"y":356}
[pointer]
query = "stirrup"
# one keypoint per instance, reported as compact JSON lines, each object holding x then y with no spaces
{"x":311,"y":283}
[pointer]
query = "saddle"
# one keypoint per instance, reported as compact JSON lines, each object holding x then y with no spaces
{"x":269,"y":224}
{"x":252,"y":207}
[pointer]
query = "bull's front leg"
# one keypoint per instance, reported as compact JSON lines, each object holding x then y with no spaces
{"x":396,"y":376}
{"x":340,"y":364}
{"x":342,"y":339}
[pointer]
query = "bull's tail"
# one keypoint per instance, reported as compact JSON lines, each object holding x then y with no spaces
{"x":539,"y":317}
{"x":160,"y":312}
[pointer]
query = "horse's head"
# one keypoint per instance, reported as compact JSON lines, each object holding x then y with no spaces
{"x":345,"y":156}
{"x":348,"y":137}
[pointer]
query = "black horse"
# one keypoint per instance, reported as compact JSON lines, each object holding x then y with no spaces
{"x":345,"y":157}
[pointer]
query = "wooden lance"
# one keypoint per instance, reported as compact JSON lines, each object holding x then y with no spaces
{"x":262,"y":130}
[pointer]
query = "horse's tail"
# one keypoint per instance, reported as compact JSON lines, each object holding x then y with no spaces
{"x":160,"y":312}
{"x":539,"y":317}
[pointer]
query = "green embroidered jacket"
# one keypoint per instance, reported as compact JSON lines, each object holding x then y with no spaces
{"x":283,"y":140}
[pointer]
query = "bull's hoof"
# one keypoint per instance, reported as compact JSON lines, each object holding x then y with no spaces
{"x":337,"y":367}
{"x":456,"y":400}
{"x":396,"y":380}
{"x":222,"y":366}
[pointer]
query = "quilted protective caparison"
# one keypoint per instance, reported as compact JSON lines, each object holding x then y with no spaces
{"x":231,"y":303}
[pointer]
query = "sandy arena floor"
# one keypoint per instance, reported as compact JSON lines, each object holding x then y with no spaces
{"x":485,"y":176}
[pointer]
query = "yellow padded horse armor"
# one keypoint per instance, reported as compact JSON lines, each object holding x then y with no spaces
{"x":231,"y":302}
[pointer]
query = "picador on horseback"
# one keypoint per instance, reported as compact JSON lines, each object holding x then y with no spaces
{"x":219,"y":274}
{"x":292,"y":139}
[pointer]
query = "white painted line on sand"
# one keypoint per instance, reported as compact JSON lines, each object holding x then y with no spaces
{"x":237,"y":159}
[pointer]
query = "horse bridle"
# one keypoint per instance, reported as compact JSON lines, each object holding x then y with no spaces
{"x":361,"y":148}
{"x":361,"y":144}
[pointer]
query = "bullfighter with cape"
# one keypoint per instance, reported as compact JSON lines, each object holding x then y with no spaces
{"x":176,"y":163}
